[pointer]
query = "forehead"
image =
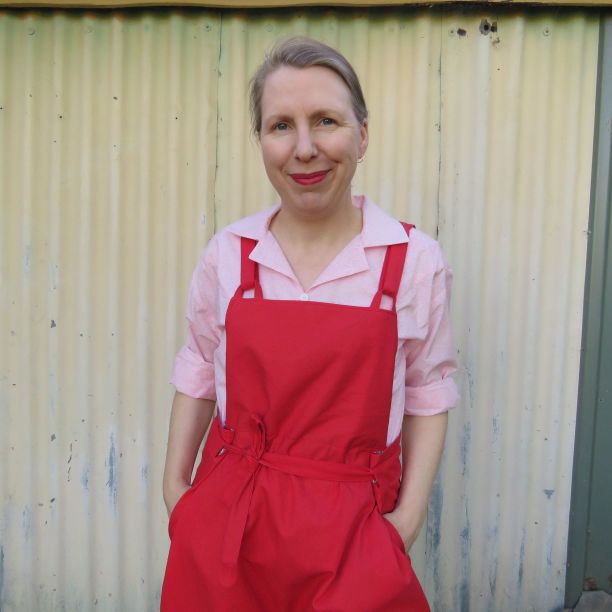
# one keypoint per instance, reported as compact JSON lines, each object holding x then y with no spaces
{"x":289,"y":89}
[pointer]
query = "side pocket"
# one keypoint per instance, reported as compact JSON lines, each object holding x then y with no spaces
{"x":205,"y":469}
{"x":178,"y":506}
{"x":395,"y":535}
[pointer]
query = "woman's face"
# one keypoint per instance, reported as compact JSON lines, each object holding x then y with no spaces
{"x":310,"y":139}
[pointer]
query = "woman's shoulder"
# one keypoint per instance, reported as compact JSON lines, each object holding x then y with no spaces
{"x":425,"y":258}
{"x":382,"y":228}
{"x":252,"y":226}
{"x":227,"y":239}
{"x":425,"y":243}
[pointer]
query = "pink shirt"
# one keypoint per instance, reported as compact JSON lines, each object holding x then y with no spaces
{"x":425,"y":357}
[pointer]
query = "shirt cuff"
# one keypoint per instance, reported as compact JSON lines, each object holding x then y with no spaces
{"x":193,"y":376}
{"x":434,"y":398}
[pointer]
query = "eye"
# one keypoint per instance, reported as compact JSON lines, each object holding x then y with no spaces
{"x":281,"y":126}
{"x":327,"y":121}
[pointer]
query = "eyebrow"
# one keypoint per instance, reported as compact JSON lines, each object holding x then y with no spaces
{"x":323,"y":112}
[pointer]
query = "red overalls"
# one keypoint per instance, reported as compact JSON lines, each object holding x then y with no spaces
{"x":285,"y":511}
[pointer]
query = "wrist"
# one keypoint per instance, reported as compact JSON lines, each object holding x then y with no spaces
{"x":411,"y":515}
{"x":174,"y":488}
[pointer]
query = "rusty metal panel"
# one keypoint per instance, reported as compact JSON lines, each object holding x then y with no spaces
{"x":107,"y":162}
{"x":124,"y":144}
{"x":517,"y":139}
{"x":259,"y":4}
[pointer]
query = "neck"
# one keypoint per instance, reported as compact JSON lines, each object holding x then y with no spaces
{"x":336,"y":226}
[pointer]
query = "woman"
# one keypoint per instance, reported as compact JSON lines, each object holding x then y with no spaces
{"x":320,"y":335}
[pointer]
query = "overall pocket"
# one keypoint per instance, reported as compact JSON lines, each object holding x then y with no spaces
{"x":395,"y":535}
{"x":205,"y":469}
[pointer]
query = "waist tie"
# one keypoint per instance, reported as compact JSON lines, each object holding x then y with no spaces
{"x":257,"y":457}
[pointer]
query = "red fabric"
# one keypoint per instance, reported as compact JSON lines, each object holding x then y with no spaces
{"x":285,"y":511}
{"x":391,"y":274}
{"x":249,"y":271}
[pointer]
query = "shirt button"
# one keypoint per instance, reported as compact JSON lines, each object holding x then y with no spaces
{"x":304,"y":297}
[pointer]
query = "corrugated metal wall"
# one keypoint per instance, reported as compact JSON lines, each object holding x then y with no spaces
{"x":124,"y":144}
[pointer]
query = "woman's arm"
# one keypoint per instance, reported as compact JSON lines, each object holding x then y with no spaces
{"x":189,"y":421}
{"x":430,"y":390}
{"x":422,"y":444}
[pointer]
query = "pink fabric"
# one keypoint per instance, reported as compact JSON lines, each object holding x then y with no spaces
{"x":425,"y":357}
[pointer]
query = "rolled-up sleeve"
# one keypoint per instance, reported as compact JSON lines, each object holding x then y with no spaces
{"x":430,"y":362}
{"x":194,"y":372}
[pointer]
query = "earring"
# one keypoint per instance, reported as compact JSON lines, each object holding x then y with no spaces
{"x":360,"y":159}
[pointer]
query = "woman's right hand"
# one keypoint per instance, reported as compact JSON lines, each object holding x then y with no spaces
{"x":189,"y":420}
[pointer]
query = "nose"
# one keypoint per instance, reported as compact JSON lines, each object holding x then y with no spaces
{"x":305,"y":146}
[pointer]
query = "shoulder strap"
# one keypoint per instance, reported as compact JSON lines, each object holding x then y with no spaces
{"x":392,"y":270}
{"x":249,"y":270}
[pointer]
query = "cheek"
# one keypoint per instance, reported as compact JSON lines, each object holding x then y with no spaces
{"x":345,"y":149}
{"x":274,"y":155}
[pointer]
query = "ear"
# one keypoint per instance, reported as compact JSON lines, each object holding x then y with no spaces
{"x":364,"y":138}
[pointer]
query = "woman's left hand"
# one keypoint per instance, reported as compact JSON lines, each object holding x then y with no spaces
{"x":408,"y":525}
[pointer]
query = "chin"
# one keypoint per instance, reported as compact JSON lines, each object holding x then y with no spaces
{"x":308,"y":205}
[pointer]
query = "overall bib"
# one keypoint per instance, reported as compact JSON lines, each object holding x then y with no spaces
{"x":285,"y":511}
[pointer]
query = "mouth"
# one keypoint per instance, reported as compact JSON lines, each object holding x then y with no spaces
{"x":309,"y":179}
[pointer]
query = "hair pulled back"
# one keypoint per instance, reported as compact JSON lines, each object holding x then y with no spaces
{"x":302,"y":52}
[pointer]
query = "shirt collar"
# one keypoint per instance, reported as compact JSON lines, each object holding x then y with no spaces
{"x":378,"y":229}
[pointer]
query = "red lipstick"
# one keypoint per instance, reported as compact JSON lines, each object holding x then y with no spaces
{"x":309,"y":179}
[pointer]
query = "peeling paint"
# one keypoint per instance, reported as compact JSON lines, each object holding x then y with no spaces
{"x":496,"y":425}
{"x":465,"y":545}
{"x":465,"y":445}
{"x":434,"y":515}
{"x":69,"y":460}
{"x":1,"y":574}
{"x":27,"y":261}
{"x":549,"y":552}
{"x":434,"y":519}
{"x":492,"y":580}
{"x":111,"y":465}
{"x":53,"y":271}
{"x":85,"y":478}
{"x":521,"y":561}
{"x":26,"y":523}
{"x":464,"y":596}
